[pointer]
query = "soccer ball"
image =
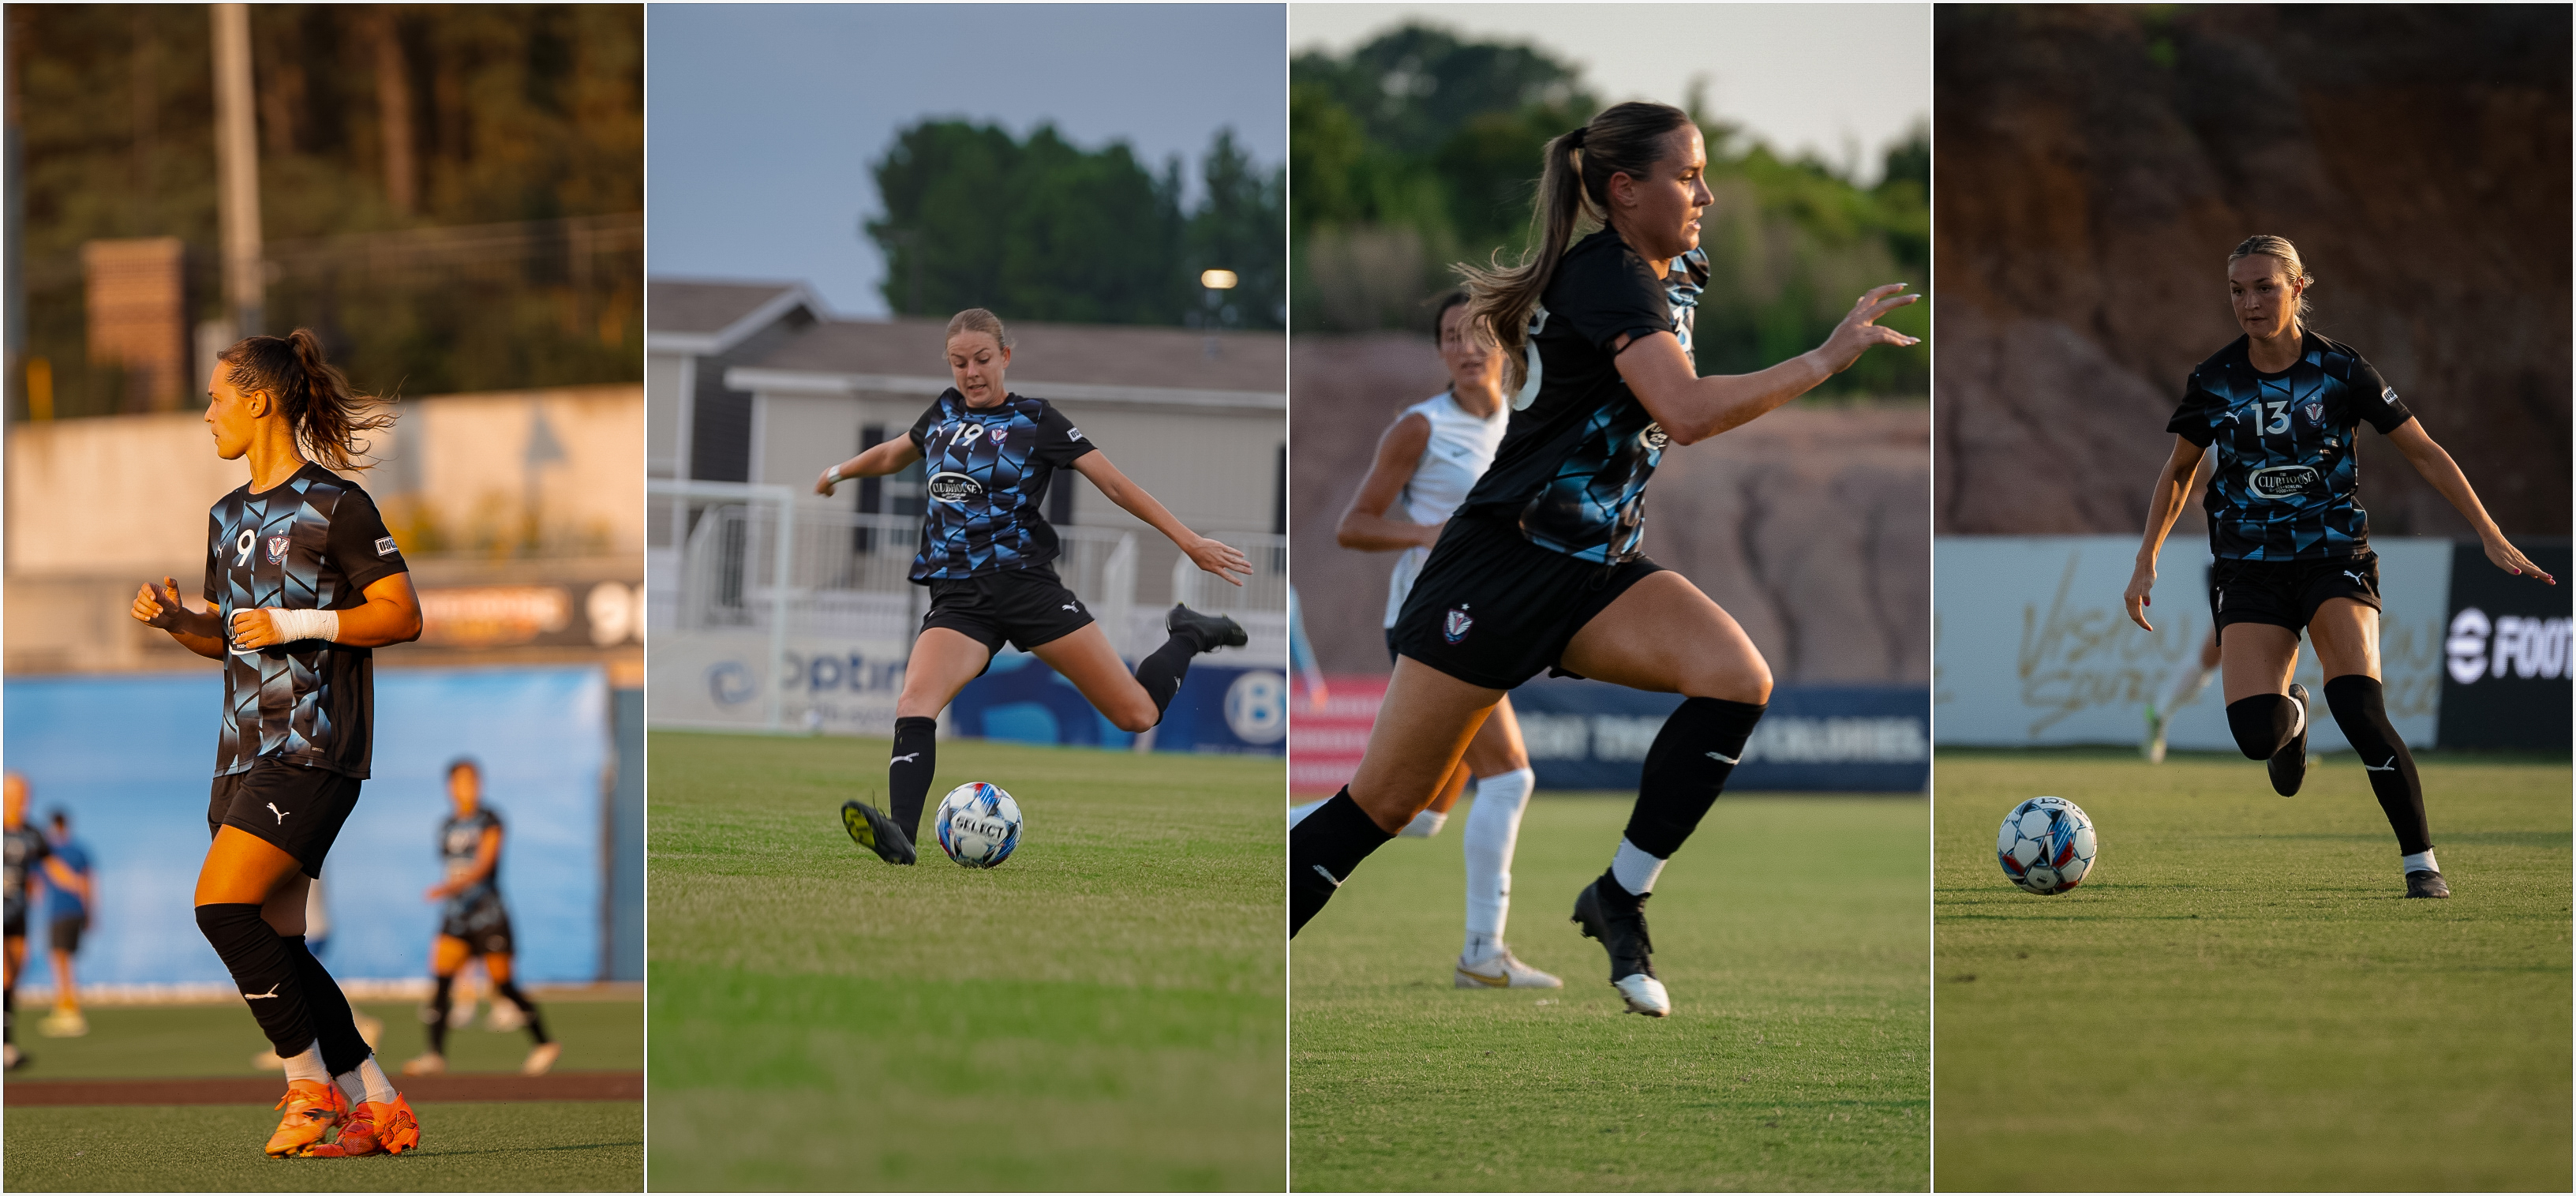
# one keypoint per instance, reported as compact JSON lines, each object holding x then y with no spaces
{"x":2046,"y":845}
{"x":979,"y":825}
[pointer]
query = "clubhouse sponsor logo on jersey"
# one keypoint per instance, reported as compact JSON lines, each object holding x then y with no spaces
{"x":2281,"y":481}
{"x":277,"y":548}
{"x":1455,"y":625}
{"x":956,"y":488}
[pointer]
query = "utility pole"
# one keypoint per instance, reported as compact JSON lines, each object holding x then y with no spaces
{"x":237,"y":167}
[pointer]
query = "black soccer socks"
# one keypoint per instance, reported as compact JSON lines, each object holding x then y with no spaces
{"x":435,"y":1017}
{"x":264,"y":971}
{"x":1322,"y":851}
{"x":1162,"y":672}
{"x":334,"y":1023}
{"x":2360,"y":708}
{"x":1687,"y":766}
{"x":536,"y":1024}
{"x":908,"y":772}
{"x":2264,"y":724}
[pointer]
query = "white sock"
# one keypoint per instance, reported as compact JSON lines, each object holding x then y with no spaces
{"x":1424,"y":825}
{"x":1493,"y":826}
{"x":2188,"y":686}
{"x":1634,"y":869}
{"x":1297,"y":814}
{"x":2421,"y":861}
{"x":379,"y":1087}
{"x":307,"y":1065}
{"x":352,"y":1086}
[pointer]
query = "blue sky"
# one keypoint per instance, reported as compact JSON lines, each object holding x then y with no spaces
{"x":762,"y":119}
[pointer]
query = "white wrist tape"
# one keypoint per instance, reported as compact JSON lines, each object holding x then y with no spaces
{"x":293,"y":625}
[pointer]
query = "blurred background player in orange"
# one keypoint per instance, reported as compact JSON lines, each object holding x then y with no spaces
{"x":473,"y":923}
{"x":69,"y":904}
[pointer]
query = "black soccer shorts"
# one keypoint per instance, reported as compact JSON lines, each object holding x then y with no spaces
{"x":1495,"y":610}
{"x":296,"y":808}
{"x":66,"y":933}
{"x":2288,"y":593}
{"x":1027,"y":607}
{"x":483,"y":924}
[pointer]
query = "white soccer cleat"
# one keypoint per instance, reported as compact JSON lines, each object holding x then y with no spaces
{"x":1644,"y":994}
{"x":505,"y":1018}
{"x":1503,"y":970}
{"x":542,"y":1059}
{"x":427,"y":1064}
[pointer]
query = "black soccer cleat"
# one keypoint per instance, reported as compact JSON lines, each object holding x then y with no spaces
{"x":2426,"y":883}
{"x":876,"y":832}
{"x":1211,"y":631}
{"x":2289,"y":766}
{"x":1632,"y":964}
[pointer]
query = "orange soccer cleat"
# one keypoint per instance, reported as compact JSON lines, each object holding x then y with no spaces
{"x":312,"y":1108}
{"x":375,"y":1128}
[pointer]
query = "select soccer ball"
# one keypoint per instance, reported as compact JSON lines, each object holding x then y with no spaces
{"x":2046,"y":845}
{"x":978,"y":824}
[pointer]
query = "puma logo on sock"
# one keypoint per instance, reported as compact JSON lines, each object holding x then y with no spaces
{"x":1722,"y":759}
{"x":1329,"y":878}
{"x":281,"y":814}
{"x":272,"y":991}
{"x":906,"y":758}
{"x":2391,"y":766}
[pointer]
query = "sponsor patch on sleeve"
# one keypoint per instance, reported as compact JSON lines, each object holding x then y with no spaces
{"x":385,"y":547}
{"x":1075,"y":434}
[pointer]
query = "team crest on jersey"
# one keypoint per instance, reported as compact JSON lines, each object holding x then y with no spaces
{"x":955,"y":487}
{"x":277,"y":549}
{"x":2315,"y":411}
{"x":1455,"y":625}
{"x":998,"y":434}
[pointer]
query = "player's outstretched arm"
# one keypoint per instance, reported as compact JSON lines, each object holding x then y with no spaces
{"x":1220,"y":559}
{"x":2173,"y":485}
{"x":391,"y":615}
{"x":1365,"y":525}
{"x":2437,"y":467}
{"x":894,"y":456}
{"x":201,"y":632}
{"x":1692,"y":408}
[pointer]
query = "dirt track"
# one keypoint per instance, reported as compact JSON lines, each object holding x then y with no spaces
{"x":571,"y":1085}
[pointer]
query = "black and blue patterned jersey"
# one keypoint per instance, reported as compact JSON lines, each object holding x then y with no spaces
{"x":460,"y":844}
{"x":2283,"y":486}
{"x":314,"y":542}
{"x":22,"y":850}
{"x":1573,"y":465}
{"x":987,"y":471}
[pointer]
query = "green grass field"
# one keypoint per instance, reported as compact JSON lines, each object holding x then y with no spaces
{"x":1792,"y":931}
{"x":218,"y":1040}
{"x":1104,"y":1011}
{"x":2239,"y":997}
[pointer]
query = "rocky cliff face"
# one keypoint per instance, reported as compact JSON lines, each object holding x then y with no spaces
{"x":2093,"y":167}
{"x":1808,"y":525}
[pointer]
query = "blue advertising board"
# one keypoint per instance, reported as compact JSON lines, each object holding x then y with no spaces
{"x":1218,"y":709}
{"x":1850,"y":739}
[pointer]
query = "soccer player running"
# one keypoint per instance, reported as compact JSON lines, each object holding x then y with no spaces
{"x":1426,"y":463}
{"x":23,"y":850}
{"x":986,"y":556}
{"x":2282,"y":406}
{"x":1540,"y":567}
{"x":71,"y":893}
{"x":473,"y":922}
{"x":304,"y":585}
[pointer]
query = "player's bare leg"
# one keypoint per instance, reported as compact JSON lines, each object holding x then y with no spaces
{"x":447,"y":957}
{"x":542,"y":1051}
{"x":1085,"y":658}
{"x":2267,"y":712}
{"x":1422,"y":731}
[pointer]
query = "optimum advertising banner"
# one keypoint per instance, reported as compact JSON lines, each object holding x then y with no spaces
{"x":2031,"y":646}
{"x":2505,"y":666}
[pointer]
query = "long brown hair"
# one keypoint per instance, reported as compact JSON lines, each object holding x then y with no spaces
{"x":1622,"y":139}
{"x":326,"y":415}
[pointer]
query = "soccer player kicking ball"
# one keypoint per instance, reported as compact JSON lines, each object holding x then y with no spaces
{"x":2283,"y":408}
{"x":1426,"y":463}
{"x":305,"y":584}
{"x":1540,"y":568}
{"x":473,"y":922}
{"x":986,"y":556}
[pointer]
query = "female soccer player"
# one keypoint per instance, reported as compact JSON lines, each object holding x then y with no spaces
{"x":986,"y":556}
{"x":2282,"y":405}
{"x":1540,"y":567}
{"x":1426,"y":462}
{"x":473,"y":922}
{"x":305,"y":584}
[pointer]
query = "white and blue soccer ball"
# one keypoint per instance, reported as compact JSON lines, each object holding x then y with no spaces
{"x":2046,"y":845}
{"x":978,"y":824}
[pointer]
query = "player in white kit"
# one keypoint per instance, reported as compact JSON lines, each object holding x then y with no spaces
{"x":1426,"y":463}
